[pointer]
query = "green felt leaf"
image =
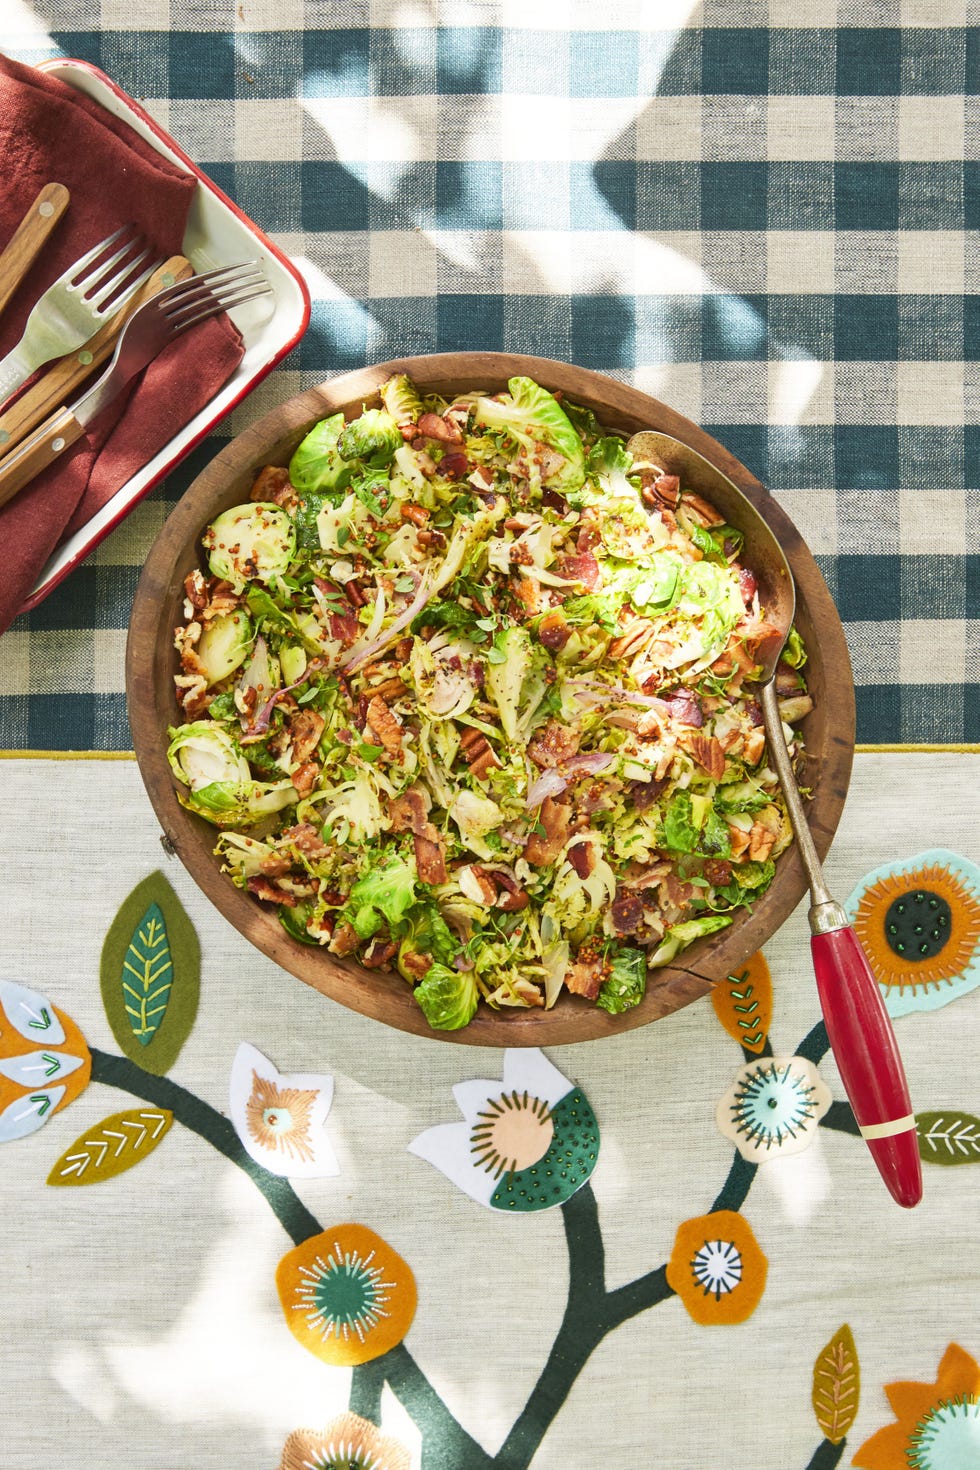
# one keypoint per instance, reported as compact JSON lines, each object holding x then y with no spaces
{"x":151,"y":975}
{"x":112,"y":1146}
{"x":948,"y":1137}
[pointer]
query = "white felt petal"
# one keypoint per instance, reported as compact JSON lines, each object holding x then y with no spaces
{"x":249,"y":1063}
{"x":528,"y":1069}
{"x":471,"y":1097}
{"x":447,"y":1146}
{"x":29,"y":1113}
{"x":38,"y":1068}
{"x":30,"y":1013}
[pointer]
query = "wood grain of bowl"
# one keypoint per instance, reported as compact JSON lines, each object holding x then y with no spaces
{"x":151,"y":662}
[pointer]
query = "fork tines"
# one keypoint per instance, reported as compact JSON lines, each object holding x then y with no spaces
{"x":203,"y":295}
{"x":98,"y":281}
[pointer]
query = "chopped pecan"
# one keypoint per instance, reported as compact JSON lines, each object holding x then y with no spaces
{"x":389,"y":689}
{"x":761,"y":842}
{"x":275,"y":864}
{"x":379,"y":954}
{"x":410,"y":811}
{"x":192,"y":694}
{"x":754,"y":746}
{"x":707,"y":751}
{"x":738,"y":840}
{"x":195,"y":590}
{"x":477,"y":752}
{"x":643,"y":794}
{"x":512,"y":897}
{"x":344,"y":940}
{"x":305,"y":729}
{"x":417,"y":514}
{"x":553,"y":818}
{"x":306,"y":839}
{"x":305,"y":777}
{"x":584,"y":978}
{"x":433,"y":426}
{"x":701,"y":510}
{"x":477,"y":884}
{"x":416,"y":964}
{"x":553,"y":744}
{"x":269,"y":893}
{"x":635,"y":636}
{"x":270,"y":482}
{"x":386,"y":726}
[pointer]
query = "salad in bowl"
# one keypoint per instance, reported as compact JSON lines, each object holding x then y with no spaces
{"x":469,"y":696}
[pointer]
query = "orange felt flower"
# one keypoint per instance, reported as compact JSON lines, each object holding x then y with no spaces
{"x":350,"y":1441}
{"x":346,"y":1295}
{"x":936,"y":1424}
{"x":717,"y":1268}
{"x":44,"y":1060}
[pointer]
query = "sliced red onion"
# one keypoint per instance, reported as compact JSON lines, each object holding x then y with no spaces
{"x":589,"y":762}
{"x":264,"y":716}
{"x":360,"y":654}
{"x":549,"y":783}
{"x":617,"y":691}
{"x":462,"y":962}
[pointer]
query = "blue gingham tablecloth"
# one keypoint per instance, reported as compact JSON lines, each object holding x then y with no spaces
{"x":765,"y":214}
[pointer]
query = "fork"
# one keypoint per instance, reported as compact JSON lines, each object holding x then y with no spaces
{"x":149,"y":330}
{"x":75,"y":306}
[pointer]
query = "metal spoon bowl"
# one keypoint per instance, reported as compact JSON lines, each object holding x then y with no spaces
{"x":858,"y":1024}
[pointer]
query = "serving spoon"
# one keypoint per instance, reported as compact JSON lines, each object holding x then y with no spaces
{"x":858,"y":1025}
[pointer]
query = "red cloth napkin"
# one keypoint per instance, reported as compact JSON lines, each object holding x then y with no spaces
{"x":49,"y":133}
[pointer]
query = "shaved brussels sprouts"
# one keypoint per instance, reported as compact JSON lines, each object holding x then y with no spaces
{"x":402,"y":400}
{"x":257,"y":540}
{"x":219,"y":785}
{"x":224,"y":645}
{"x":533,"y":416}
{"x":203,"y":752}
{"x":374,"y":437}
{"x":448,"y":998}
{"x":317,"y":464}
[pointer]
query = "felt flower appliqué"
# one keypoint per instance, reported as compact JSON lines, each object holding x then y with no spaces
{"x":717,"y":1268}
{"x":349,"y":1443}
{"x":937,"y":1425}
{"x":44,"y":1061}
{"x":528,"y":1142}
{"x":773,"y":1107}
{"x":281,"y":1120}
{"x":919,"y":924}
{"x":346,"y":1295}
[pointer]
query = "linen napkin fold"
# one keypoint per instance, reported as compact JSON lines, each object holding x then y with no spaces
{"x":51,"y":133}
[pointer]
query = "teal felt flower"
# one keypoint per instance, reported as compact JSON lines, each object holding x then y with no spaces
{"x":919,"y":924}
{"x":773,"y":1107}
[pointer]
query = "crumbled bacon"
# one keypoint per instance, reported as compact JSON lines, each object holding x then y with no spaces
{"x":553,"y":631}
{"x":386,"y":726}
{"x":454,"y":466}
{"x":528,"y":593}
{"x":410,"y":811}
{"x":344,"y":625}
{"x":540,"y":850}
{"x":581,"y":855}
{"x":763,"y":641}
{"x":305,"y":729}
{"x":747,"y":584}
{"x":626,"y":912}
{"x":579,"y":567}
{"x":379,"y":954}
{"x":275,"y":864}
{"x":512,"y":898}
{"x":718,"y":872}
{"x":584,"y":978}
{"x":416,"y":964}
{"x":430,"y":859}
{"x":553,"y":744}
{"x":643,"y":794}
{"x":307,"y":840}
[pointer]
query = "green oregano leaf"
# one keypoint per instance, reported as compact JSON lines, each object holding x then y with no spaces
{"x":150,"y":975}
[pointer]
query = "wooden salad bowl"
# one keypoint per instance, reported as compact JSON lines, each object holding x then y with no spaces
{"x":151,"y":662}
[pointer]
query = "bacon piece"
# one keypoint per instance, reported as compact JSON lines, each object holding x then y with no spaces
{"x":738,"y":840}
{"x":579,"y":567}
{"x":553,"y":631}
{"x":554,"y":816}
{"x":385,"y":725}
{"x":454,"y":466}
{"x":433,"y":426}
{"x":276,"y":864}
{"x":763,"y":641}
{"x":410,"y":811}
{"x":626,"y":912}
{"x":584,"y":978}
{"x":718,"y":872}
{"x":513,"y":898}
{"x":528,"y":594}
{"x":747,"y":585}
{"x":306,"y":839}
{"x":416,"y":964}
{"x":553,"y":744}
{"x":685,"y":708}
{"x":708,"y":752}
{"x":643,"y":794}
{"x":581,"y":855}
{"x":430,"y":859}
{"x":379,"y":954}
{"x":344,"y":625}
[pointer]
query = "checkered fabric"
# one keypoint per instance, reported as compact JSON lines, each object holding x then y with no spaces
{"x":764,"y":212}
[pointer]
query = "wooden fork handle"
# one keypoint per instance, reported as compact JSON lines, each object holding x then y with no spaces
{"x":44,"y":446}
{"x":25,"y":243}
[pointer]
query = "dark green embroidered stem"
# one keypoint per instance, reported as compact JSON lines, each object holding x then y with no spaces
{"x":827,"y":1455}
{"x":366,"y":1382}
{"x":208,"y":1124}
{"x":445,"y":1443}
{"x":815,"y":1045}
{"x":840,"y":1117}
{"x":732,"y":1194}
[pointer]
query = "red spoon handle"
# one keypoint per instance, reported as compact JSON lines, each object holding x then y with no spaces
{"x":868,"y":1060}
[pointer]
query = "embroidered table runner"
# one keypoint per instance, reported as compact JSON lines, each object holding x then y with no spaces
{"x":245,"y":1226}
